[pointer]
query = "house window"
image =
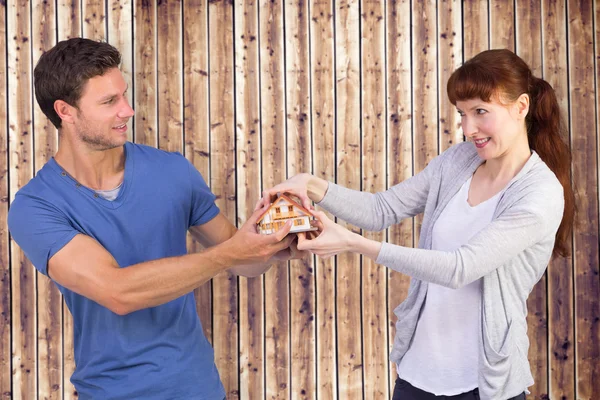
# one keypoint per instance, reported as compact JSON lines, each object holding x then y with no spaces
{"x":298,"y":222}
{"x":277,"y":210}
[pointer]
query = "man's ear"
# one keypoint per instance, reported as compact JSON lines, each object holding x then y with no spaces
{"x":65,"y":111}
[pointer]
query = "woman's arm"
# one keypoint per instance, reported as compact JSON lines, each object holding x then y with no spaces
{"x":531,"y":223}
{"x":368,"y":211}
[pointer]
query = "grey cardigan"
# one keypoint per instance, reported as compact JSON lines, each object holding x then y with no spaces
{"x":510,"y":254}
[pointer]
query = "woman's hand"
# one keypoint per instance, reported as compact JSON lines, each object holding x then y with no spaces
{"x":304,"y":186}
{"x":334,"y":239}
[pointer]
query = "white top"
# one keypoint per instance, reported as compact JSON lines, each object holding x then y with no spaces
{"x":442,"y":358}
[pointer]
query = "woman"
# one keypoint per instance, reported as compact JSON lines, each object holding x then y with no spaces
{"x":496,"y":208}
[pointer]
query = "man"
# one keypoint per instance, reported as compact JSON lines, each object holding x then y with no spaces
{"x":107,"y":219}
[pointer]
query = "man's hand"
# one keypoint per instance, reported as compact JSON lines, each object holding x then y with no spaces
{"x":252,"y":251}
{"x":292,"y":252}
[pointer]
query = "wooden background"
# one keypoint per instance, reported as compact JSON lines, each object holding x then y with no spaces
{"x":255,"y":91}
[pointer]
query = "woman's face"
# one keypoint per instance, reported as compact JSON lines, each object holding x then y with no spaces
{"x":495,"y":128}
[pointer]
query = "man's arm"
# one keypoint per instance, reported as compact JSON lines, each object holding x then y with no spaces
{"x":219,"y":229}
{"x":148,"y":284}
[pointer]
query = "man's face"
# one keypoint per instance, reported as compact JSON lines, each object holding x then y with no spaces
{"x":103,"y":112}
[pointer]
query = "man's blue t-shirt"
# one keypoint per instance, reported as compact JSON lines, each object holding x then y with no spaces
{"x":154,"y":353}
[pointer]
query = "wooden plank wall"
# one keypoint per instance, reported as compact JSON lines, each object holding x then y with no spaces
{"x":255,"y":91}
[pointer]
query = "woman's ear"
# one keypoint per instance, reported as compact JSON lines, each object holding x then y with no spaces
{"x":522,"y":106}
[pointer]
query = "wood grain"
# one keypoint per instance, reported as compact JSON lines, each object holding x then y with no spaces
{"x":145,"y":74}
{"x":169,"y":70}
{"x":399,"y":152}
{"x":373,"y":165}
{"x":5,"y":286}
{"x":272,"y":87}
{"x":502,"y":24}
{"x":348,"y":158}
{"x":21,"y":159}
{"x":585,"y":178}
{"x":303,"y":361}
{"x":529,"y":48}
{"x":93,"y":13}
{"x":248,"y":143}
{"x":45,"y":135}
{"x":475,"y":28}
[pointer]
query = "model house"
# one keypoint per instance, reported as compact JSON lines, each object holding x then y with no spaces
{"x":281,"y":210}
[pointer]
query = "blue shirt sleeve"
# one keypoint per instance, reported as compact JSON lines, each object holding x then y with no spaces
{"x":203,"y":200}
{"x":39,"y":229}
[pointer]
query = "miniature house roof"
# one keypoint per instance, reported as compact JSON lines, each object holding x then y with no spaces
{"x":279,"y":201}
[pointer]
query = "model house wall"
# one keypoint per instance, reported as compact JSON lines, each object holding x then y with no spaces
{"x":282,"y":210}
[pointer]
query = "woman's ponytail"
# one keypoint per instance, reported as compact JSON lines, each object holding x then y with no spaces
{"x":547,"y":134}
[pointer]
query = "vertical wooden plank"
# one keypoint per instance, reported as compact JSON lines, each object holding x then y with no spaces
{"x":120,"y":35}
{"x":272,"y":82}
{"x":49,"y":338}
{"x":249,"y":171}
{"x":69,"y":25}
{"x":223,"y":180}
{"x":170,"y":91}
{"x":45,"y":134}
{"x":400,"y":155}
{"x":197,"y":136}
{"x":348,"y":276}
{"x":597,"y":66}
{"x":197,"y":149}
{"x":69,"y":19}
{"x":529,"y":34}
{"x":424,"y":63}
{"x":23,"y":274}
{"x":502,"y":24}
{"x":145,"y":80}
{"x":528,"y":46}
{"x":298,"y":124}
{"x":560,"y":271}
{"x":5,"y":319}
{"x":596,"y":382}
{"x":475,"y":27}
{"x":449,"y":59}
{"x":322,"y":117}
{"x":94,"y":19}
{"x":585,"y":177}
{"x":373,"y":121}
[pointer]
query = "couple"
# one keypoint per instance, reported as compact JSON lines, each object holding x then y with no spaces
{"x":496,"y":208}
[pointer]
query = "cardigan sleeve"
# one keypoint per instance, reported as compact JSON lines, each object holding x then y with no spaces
{"x":377,"y":211}
{"x":531,"y":220}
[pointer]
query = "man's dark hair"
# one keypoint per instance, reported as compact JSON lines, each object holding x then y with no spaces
{"x":62,"y":72}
